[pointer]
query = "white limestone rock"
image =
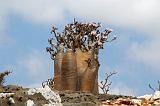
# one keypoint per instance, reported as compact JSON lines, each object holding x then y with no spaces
{"x":4,"y":95}
{"x":30,"y":103}
{"x":53,"y":97}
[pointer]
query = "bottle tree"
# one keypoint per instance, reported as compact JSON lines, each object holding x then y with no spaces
{"x":75,"y":53}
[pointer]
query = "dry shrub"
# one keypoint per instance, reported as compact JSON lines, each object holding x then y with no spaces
{"x":2,"y":76}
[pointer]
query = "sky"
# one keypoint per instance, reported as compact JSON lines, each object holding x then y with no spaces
{"x":25,"y":28}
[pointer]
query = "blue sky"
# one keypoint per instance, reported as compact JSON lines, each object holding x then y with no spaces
{"x":135,"y":55}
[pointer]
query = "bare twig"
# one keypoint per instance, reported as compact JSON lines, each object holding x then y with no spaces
{"x":105,"y":85}
{"x":158,"y":88}
{"x":49,"y":82}
{"x":151,"y":87}
{"x":158,"y":85}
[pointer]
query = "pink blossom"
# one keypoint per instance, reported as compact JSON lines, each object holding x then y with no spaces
{"x":93,"y":33}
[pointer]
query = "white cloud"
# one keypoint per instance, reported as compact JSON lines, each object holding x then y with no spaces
{"x":4,"y":8}
{"x":135,"y":13}
{"x":147,"y":53}
{"x":2,"y":39}
{"x":35,"y":85}
{"x":141,"y":15}
{"x":119,"y":12}
{"x":35,"y":65}
{"x":121,"y":89}
{"x":33,"y":68}
{"x":4,"y":12}
{"x":40,"y":11}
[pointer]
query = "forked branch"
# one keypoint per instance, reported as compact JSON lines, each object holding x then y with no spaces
{"x":105,"y":85}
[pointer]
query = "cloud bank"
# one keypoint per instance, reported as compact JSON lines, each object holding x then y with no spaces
{"x":141,"y":15}
{"x":35,"y":64}
{"x":4,"y":10}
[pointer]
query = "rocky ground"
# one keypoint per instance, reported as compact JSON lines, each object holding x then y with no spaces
{"x":12,"y":95}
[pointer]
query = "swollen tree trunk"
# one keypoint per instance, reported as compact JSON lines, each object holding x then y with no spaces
{"x":89,"y":83}
{"x":69,"y":71}
{"x":82,"y":65}
{"x":87,"y":69}
{"x":58,"y":70}
{"x":95,"y":90}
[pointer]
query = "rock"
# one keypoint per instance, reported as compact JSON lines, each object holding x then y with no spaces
{"x":80,"y":104}
{"x":5,"y":95}
{"x":156,"y":95}
{"x":30,"y":103}
{"x":11,"y":100}
{"x":78,"y":99}
{"x":52,"y":97}
{"x":137,"y":101}
{"x":47,"y":97}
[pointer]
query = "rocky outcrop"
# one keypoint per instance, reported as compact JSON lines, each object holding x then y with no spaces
{"x":12,"y":95}
{"x":146,"y":100}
